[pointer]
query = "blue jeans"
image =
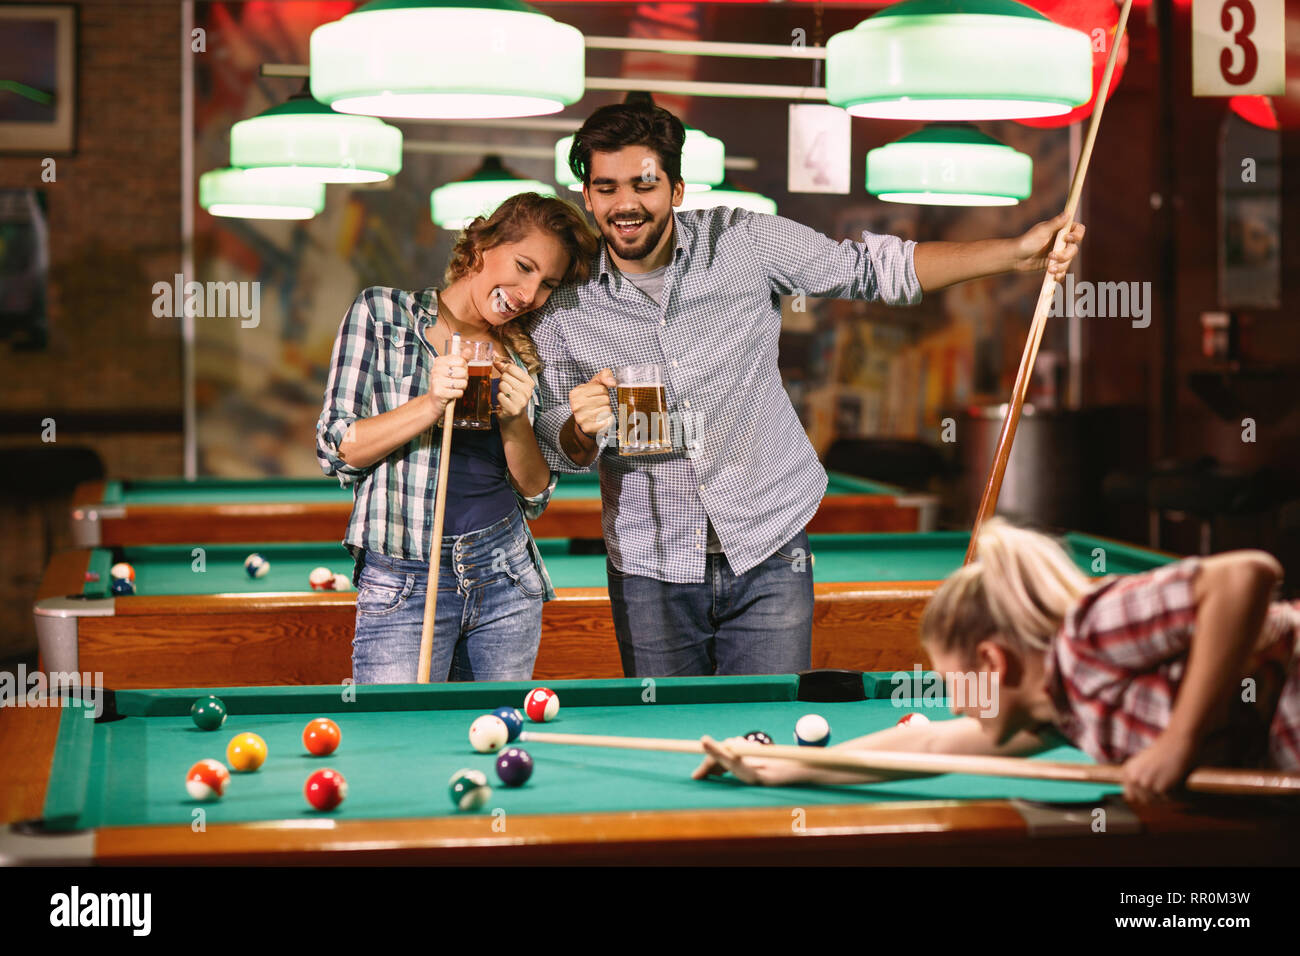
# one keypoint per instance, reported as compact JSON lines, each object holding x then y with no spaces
{"x":759,"y":622}
{"x":489,"y":617}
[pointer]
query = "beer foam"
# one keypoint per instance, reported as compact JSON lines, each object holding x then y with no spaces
{"x":479,"y":364}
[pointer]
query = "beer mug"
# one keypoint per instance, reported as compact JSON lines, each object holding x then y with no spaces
{"x":474,"y":408}
{"x":642,"y":411}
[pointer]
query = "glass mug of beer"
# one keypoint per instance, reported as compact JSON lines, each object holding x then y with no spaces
{"x":474,"y":408}
{"x":642,"y":411}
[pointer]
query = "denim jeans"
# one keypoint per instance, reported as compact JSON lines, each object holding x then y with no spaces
{"x":759,"y":622}
{"x":489,"y":617}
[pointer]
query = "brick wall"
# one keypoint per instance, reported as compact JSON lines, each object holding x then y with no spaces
{"x":114,"y":231}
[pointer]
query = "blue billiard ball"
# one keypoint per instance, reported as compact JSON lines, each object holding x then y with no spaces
{"x":123,"y":586}
{"x":256,"y":566}
{"x":812,"y":731}
{"x":514,"y":767}
{"x":513,"y":720}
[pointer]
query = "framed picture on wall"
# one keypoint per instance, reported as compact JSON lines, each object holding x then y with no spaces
{"x":1250,"y":216}
{"x":38,"y":78}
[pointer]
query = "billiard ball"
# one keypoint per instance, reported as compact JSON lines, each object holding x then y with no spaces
{"x":514,"y":767}
{"x":325,"y":789}
{"x":321,"y":737}
{"x":122,"y":571}
{"x":914,"y":719}
{"x":758,"y":737}
{"x":207,"y":780}
{"x":256,"y":566}
{"x":245,"y":752}
{"x":812,"y":731}
{"x":513,"y":720}
{"x":469,"y":790}
{"x":488,"y":734}
{"x":541,"y":704}
{"x":208,"y":713}
{"x":321,"y":579}
{"x":122,"y":586}
{"x":341,"y":583}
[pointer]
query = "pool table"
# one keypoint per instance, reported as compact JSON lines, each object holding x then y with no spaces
{"x":111,"y":791}
{"x":230,"y":510}
{"x":219,"y":627}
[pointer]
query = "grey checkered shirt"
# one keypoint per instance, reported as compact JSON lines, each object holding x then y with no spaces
{"x":741,"y":458}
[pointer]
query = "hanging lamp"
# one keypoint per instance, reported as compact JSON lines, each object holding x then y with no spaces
{"x":728,"y":194}
{"x":306,"y":141}
{"x":454,"y":205}
{"x":447,"y":59}
{"x":958,"y":60}
{"x":948,"y":164}
{"x":234,"y":193}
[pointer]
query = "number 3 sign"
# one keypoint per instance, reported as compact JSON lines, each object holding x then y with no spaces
{"x":1238,"y":47}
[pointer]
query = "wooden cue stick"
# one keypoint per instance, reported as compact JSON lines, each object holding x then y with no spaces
{"x":993,"y":487}
{"x":1205,"y":780}
{"x":435,"y":542}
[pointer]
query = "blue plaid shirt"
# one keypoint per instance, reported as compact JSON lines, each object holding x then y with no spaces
{"x":742,"y":460}
{"x":382,"y":360}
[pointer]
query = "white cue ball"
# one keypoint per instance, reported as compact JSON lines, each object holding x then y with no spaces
{"x":488,"y":734}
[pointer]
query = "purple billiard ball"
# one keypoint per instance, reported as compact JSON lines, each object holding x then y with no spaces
{"x":514,"y":767}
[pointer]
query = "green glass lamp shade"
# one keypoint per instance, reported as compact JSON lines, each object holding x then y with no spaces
{"x":958,"y":60}
{"x":234,"y":193}
{"x":454,"y":205}
{"x":703,"y":158}
{"x":726,"y":194}
{"x":945,"y":164}
{"x":307,"y":141}
{"x":447,"y":59}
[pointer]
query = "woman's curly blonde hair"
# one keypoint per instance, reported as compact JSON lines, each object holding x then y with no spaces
{"x":511,"y":222}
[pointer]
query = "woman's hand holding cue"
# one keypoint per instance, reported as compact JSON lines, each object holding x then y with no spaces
{"x":751,"y":770}
{"x":446,"y":383}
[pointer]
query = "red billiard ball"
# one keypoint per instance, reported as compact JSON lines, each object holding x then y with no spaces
{"x":541,"y":704}
{"x":207,"y":780}
{"x":321,"y":579}
{"x":325,"y":789}
{"x":321,"y":737}
{"x":914,"y":719}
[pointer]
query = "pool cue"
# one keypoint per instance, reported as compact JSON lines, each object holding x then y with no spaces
{"x":989,"y":500}
{"x":1204,"y":780}
{"x":435,"y":543}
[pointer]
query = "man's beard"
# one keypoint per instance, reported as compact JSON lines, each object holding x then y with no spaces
{"x":643,"y":247}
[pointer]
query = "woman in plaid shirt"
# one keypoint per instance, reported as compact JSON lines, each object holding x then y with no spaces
{"x":390,"y":382}
{"x":1186,"y":665}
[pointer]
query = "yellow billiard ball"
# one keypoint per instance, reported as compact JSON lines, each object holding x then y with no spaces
{"x":245,"y":752}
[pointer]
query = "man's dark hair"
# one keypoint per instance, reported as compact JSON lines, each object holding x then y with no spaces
{"x":637,"y":122}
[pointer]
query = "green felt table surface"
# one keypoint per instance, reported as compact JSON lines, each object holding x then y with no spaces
{"x":199,"y":491}
{"x":909,"y":556}
{"x":402,"y":744}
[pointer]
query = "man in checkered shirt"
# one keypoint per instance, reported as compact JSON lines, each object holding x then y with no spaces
{"x":709,"y":566}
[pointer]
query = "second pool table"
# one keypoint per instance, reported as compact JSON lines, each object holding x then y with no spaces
{"x":217,"y":626}
{"x":229,"y":510}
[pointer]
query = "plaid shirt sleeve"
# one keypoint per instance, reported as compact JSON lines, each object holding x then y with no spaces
{"x":1139,"y":621}
{"x":559,"y":376}
{"x":348,"y":389}
{"x":798,"y":259}
{"x":1116,"y":666}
